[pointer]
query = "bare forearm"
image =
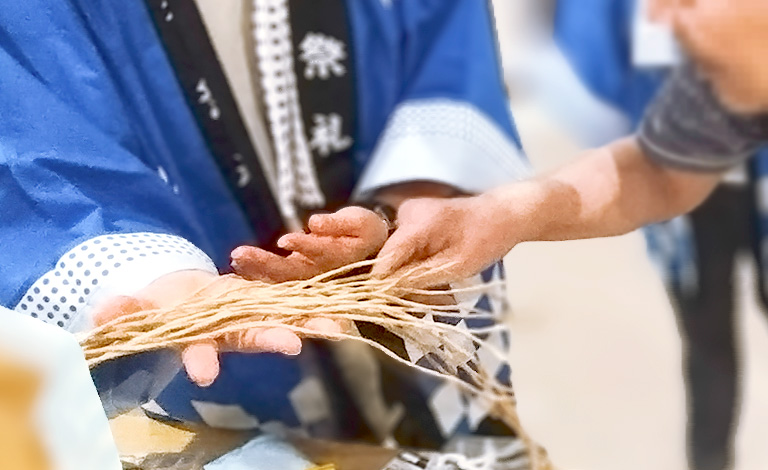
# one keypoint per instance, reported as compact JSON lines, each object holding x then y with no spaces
{"x":606,"y":192}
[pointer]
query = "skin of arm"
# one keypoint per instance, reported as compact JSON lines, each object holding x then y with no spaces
{"x":605,"y":192}
{"x":608,"y":191}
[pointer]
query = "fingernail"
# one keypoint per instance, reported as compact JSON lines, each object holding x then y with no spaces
{"x":202,"y":364}
{"x":282,"y":242}
{"x":281,"y":341}
{"x":238,"y":252}
{"x":317,"y":220}
{"x":204,"y":380}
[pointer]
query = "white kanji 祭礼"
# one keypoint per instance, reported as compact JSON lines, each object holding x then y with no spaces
{"x":326,"y":134}
{"x":322,"y":56}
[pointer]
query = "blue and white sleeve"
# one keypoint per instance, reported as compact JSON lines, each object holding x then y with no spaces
{"x":84,"y":217}
{"x":103,"y":267}
{"x":452,"y":123}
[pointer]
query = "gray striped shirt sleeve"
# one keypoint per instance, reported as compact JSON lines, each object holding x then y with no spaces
{"x":687,"y":127}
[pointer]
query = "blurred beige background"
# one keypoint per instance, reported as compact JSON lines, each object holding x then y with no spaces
{"x":596,"y":353}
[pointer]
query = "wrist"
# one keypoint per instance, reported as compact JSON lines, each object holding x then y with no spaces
{"x":515,"y":210}
{"x":386,"y":213}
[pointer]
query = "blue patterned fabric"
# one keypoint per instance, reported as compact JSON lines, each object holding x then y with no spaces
{"x":96,"y":138}
{"x":308,"y":392}
{"x":93,"y":117}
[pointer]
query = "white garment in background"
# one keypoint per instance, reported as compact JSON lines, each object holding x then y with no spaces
{"x":70,"y":420}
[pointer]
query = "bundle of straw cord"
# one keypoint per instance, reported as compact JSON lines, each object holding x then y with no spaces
{"x":343,"y":295}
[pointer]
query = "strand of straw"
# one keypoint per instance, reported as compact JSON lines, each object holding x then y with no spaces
{"x":231,"y":305}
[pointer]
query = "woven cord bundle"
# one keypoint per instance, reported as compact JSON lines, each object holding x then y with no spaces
{"x":231,"y":305}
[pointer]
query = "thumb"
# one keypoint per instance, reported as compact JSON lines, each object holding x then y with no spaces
{"x":119,"y":306}
{"x":201,"y":362}
{"x":398,"y":251}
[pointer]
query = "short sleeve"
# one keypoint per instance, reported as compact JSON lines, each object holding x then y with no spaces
{"x":106,"y":266}
{"x":451,"y":122}
{"x":688,"y":128}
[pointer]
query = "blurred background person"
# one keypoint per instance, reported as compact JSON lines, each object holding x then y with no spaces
{"x":623,"y":64}
{"x":622,"y":58}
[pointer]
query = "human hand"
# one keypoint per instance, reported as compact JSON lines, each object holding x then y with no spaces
{"x":201,"y":361}
{"x":727,"y":39}
{"x":444,"y":240}
{"x":334,"y":240}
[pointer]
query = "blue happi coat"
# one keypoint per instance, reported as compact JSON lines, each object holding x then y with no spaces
{"x":106,"y":182}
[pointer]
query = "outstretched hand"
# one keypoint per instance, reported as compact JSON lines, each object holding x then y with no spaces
{"x":333,"y":240}
{"x":201,"y":360}
{"x":444,"y":240}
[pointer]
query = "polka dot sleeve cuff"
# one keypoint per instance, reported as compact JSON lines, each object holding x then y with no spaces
{"x":105,"y":266}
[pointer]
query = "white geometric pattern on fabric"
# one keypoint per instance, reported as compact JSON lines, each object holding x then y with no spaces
{"x":467,"y":300}
{"x":496,"y":339}
{"x":224,"y":416}
{"x":154,"y":408}
{"x":415,"y":350}
{"x":465,"y":344}
{"x":478,"y":410}
{"x":449,"y":404}
{"x":107,"y":265}
{"x":497,"y":294}
{"x":482,"y":453}
{"x":296,"y":176}
{"x":448,"y":407}
{"x":322,"y":55}
{"x":310,"y":401}
{"x":490,"y":362}
{"x":456,"y":119}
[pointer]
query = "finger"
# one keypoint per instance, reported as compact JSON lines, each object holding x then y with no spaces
{"x":118,"y":306}
{"x":257,"y":264}
{"x":350,"y":222}
{"x":311,"y":245}
{"x":201,"y":361}
{"x":328,"y":253}
{"x":396,"y":252}
{"x":429,"y":273}
{"x":324,"y":325}
{"x":260,"y":340}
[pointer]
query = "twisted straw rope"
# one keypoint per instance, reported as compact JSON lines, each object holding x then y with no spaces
{"x":232,"y":305}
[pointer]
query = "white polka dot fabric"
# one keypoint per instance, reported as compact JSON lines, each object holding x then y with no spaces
{"x":108,"y":265}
